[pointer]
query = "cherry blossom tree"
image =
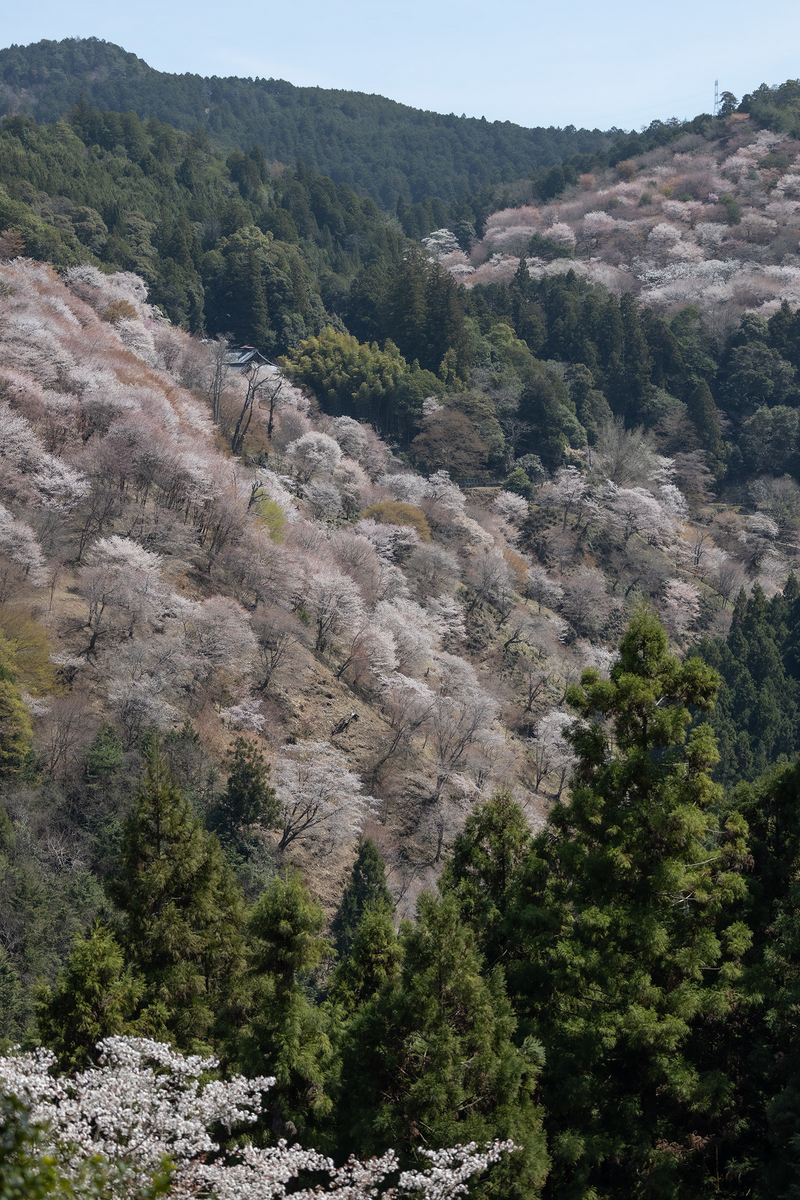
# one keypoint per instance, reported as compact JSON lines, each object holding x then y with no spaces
{"x":586,"y":603}
{"x":459,"y":716}
{"x":368,"y":651}
{"x":511,"y":506}
{"x":636,"y":510}
{"x":407,"y":704}
{"x":568,"y":491}
{"x":21,"y":558}
{"x":221,"y":641}
{"x":542,"y":588}
{"x":415,"y":631}
{"x":276,"y":633}
{"x":490,"y":580}
{"x":139,"y":1123}
{"x":313,"y":454}
{"x":680,"y":607}
{"x":319,"y":796}
{"x":551,"y":753}
{"x":334,"y":604}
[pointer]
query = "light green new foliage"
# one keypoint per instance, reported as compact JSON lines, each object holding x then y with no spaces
{"x":619,"y":930}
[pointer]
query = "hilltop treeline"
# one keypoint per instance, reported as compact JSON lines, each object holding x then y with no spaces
{"x":383,"y":149}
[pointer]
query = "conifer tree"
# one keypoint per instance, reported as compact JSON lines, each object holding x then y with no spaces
{"x":284,"y":1034}
{"x":704,"y":415}
{"x":95,"y":997}
{"x":622,"y":933}
{"x":248,"y":798}
{"x":373,"y":959}
{"x":183,"y":911}
{"x":430,"y":1060}
{"x":365,"y":889}
{"x":481,"y":869}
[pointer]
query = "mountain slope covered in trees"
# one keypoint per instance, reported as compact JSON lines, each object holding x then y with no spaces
{"x":384,"y":149}
{"x":267,"y":668}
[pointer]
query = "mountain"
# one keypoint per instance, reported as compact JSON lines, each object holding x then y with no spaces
{"x":382,"y":148}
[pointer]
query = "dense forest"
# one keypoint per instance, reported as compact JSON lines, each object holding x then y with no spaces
{"x":383,"y":149}
{"x":397,"y":744}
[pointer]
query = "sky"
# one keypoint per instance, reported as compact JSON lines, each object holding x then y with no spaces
{"x":622,"y":63}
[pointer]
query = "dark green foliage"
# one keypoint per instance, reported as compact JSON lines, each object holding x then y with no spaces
{"x":481,"y":870}
{"x":705,"y":418}
{"x":373,"y":960}
{"x":548,"y":413}
{"x":248,"y":798}
{"x":368,"y":142}
{"x":416,"y":304}
{"x":757,"y":715}
{"x":104,"y":757}
{"x":361,"y":381}
{"x":283,"y":1033}
{"x":183,"y":912}
{"x":105,"y":187}
{"x":622,"y":932}
{"x":756,"y":376}
{"x":365,"y":889}
{"x":95,"y":997}
{"x":191,"y":767}
{"x":12,"y":1001}
{"x":42,"y":910}
{"x":518,"y":481}
{"x":430,"y":1060}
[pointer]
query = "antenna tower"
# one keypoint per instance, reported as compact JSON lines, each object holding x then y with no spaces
{"x":716,"y":96}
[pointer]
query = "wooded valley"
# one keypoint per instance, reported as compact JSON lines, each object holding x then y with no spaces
{"x":398,"y":737}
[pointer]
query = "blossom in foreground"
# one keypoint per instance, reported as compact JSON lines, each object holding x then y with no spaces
{"x":144,"y":1109}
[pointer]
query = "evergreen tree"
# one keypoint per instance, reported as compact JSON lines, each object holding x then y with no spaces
{"x":705,"y":418}
{"x":481,"y":869}
{"x":95,"y":997}
{"x":184,"y":913}
{"x":365,"y":889}
{"x":430,"y":1060}
{"x":623,"y":942}
{"x":764,"y":1036}
{"x":757,"y":715}
{"x":248,"y":798}
{"x":283,"y":1033}
{"x":373,"y":959}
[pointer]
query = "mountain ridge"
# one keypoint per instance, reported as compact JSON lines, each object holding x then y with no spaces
{"x":329,"y":129}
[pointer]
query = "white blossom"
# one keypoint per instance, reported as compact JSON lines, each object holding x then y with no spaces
{"x":144,"y":1105}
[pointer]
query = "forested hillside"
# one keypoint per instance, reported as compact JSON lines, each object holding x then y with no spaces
{"x":383,"y":149}
{"x":410,"y":725}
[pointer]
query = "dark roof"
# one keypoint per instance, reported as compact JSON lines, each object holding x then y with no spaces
{"x":240,"y":358}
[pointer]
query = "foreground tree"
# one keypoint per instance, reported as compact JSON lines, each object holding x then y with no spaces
{"x":183,"y":912}
{"x":623,"y":947}
{"x":95,"y":997}
{"x":431,"y":1059}
{"x":285,"y":1033}
{"x":365,"y":889}
{"x":140,"y":1125}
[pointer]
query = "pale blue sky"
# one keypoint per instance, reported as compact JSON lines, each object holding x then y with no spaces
{"x":621,"y":62}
